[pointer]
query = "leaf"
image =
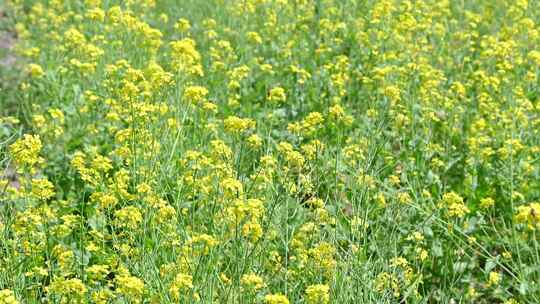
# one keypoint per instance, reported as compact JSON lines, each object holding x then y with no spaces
{"x":460,"y":267}
{"x":523,"y":288}
{"x":436,"y":249}
{"x":490,"y":265}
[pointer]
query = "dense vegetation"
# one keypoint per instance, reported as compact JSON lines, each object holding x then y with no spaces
{"x":270,"y":151}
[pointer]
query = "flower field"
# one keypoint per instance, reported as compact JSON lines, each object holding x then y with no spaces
{"x":270,"y":151}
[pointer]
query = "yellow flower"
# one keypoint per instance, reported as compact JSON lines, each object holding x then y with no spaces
{"x":92,"y":3}
{"x":276,"y":299}
{"x":202,"y":243}
{"x":416,"y":236}
{"x":323,"y":258}
{"x":9,"y":120}
{"x":105,"y":200}
{"x":73,"y":38}
{"x":454,"y":203}
{"x":318,"y":294}
{"x":96,"y":14}
{"x":254,"y":37}
{"x":393,"y":93}
{"x":277,"y":94}
{"x":530,"y":215}
{"x":534,"y":56}
{"x":182,"y":25}
{"x":97,"y":272}
{"x":337,"y":114}
{"x":472,"y":293}
{"x":68,"y":288}
{"x":294,"y":158}
{"x":494,"y":278}
{"x":387,"y":281}
{"x":7,"y":297}
{"x":35,"y":70}
{"x":166,"y":214}
{"x":254,"y":141}
{"x":252,"y":230}
{"x":130,"y":287}
{"x":236,"y":125}
{"x":195,"y":94}
{"x":42,"y":188}
{"x":57,"y":114}
{"x":312,"y":121}
{"x":25,"y":151}
{"x":252,"y":282}
{"x":223,"y":277}
{"x":164,"y":18}
{"x":404,"y":198}
{"x":487,"y":202}
{"x":315,"y":202}
{"x":129,"y":217}
{"x":422,"y":253}
{"x":220,"y":149}
{"x":185,"y":57}
{"x":101,"y":163}
{"x":102,"y":296}
{"x":182,"y":283}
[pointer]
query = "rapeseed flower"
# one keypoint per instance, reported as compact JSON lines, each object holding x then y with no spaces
{"x":276,"y":299}
{"x":318,"y":294}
